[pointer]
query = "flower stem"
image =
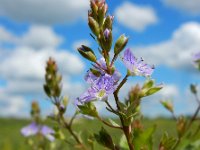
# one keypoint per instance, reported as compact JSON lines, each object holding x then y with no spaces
{"x":106,"y":123}
{"x":190,"y":122}
{"x":68,"y":126}
{"x":126,"y":129}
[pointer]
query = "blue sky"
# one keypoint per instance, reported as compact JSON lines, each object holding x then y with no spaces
{"x":164,"y":32}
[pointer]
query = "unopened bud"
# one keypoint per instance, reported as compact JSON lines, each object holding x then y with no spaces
{"x":106,"y":33}
{"x":181,"y":124}
{"x":193,"y":88}
{"x":94,"y":26}
{"x":167,"y":105}
{"x":62,"y":109}
{"x":120,"y":44}
{"x":65,"y":101}
{"x":95,"y":72}
{"x":106,"y":40}
{"x":101,"y":13}
{"x":35,"y":107}
{"x":87,"y":53}
{"x":108,"y":22}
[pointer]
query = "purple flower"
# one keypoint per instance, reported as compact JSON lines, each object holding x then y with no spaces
{"x":196,"y":57}
{"x":47,"y":132}
{"x":33,"y":129}
{"x":29,"y":130}
{"x":135,"y":66}
{"x":100,"y":88}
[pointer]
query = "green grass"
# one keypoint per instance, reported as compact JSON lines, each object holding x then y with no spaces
{"x":11,"y":139}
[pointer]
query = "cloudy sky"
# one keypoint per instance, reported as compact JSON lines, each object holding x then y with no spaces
{"x":165,"y":33}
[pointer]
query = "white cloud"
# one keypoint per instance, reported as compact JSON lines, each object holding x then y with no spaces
{"x":12,"y":105}
{"x":40,"y":36}
{"x":5,"y":36}
{"x":169,"y":91}
{"x":177,"y":51}
{"x":36,"y":37}
{"x":136,"y":17}
{"x":27,"y":63}
{"x":45,"y":11}
{"x":23,"y":68}
{"x":190,"y":6}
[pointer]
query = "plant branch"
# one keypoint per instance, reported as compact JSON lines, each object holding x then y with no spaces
{"x":106,"y":123}
{"x":126,"y":129}
{"x":111,"y":108}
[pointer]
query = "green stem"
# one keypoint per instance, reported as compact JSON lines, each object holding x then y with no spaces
{"x":126,"y":129}
{"x":190,"y":123}
{"x":106,"y":123}
{"x":69,"y":126}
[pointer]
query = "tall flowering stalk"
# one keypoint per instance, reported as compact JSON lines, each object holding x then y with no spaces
{"x":104,"y":78}
{"x":53,"y":89}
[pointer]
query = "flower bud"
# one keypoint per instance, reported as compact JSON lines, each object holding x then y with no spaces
{"x":95,"y":72}
{"x":94,"y":9}
{"x":101,"y":13}
{"x":106,"y":33}
{"x":108,"y":22}
{"x":193,"y":89}
{"x":120,"y":44}
{"x":94,"y":26}
{"x":167,"y":105}
{"x":52,"y":86}
{"x":181,"y":124}
{"x":87,"y":53}
{"x":105,"y":40}
{"x":35,"y":109}
{"x":65,"y":101}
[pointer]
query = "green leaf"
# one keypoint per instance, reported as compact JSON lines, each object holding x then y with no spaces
{"x":153,"y":90}
{"x":123,"y":143}
{"x":167,"y":142}
{"x":144,"y":139}
{"x":148,"y":84}
{"x":88,"y":109}
{"x":104,"y":139}
{"x":114,"y":123}
{"x":121,"y":105}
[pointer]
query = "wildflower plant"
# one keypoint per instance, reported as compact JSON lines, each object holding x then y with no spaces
{"x":105,"y":80}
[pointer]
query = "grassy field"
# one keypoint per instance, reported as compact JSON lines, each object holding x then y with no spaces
{"x":10,"y":138}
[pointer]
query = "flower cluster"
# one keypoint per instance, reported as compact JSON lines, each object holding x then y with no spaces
{"x":101,"y":83}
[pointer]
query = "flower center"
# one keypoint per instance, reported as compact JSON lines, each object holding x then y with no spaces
{"x":101,"y":93}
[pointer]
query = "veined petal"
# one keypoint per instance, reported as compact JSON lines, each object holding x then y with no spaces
{"x":135,"y":66}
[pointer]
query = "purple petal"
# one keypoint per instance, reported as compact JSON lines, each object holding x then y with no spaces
{"x":90,"y":77}
{"x":196,"y":57}
{"x":47,"y":132}
{"x":136,"y":67}
{"x":106,"y":33}
{"x":29,"y":130}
